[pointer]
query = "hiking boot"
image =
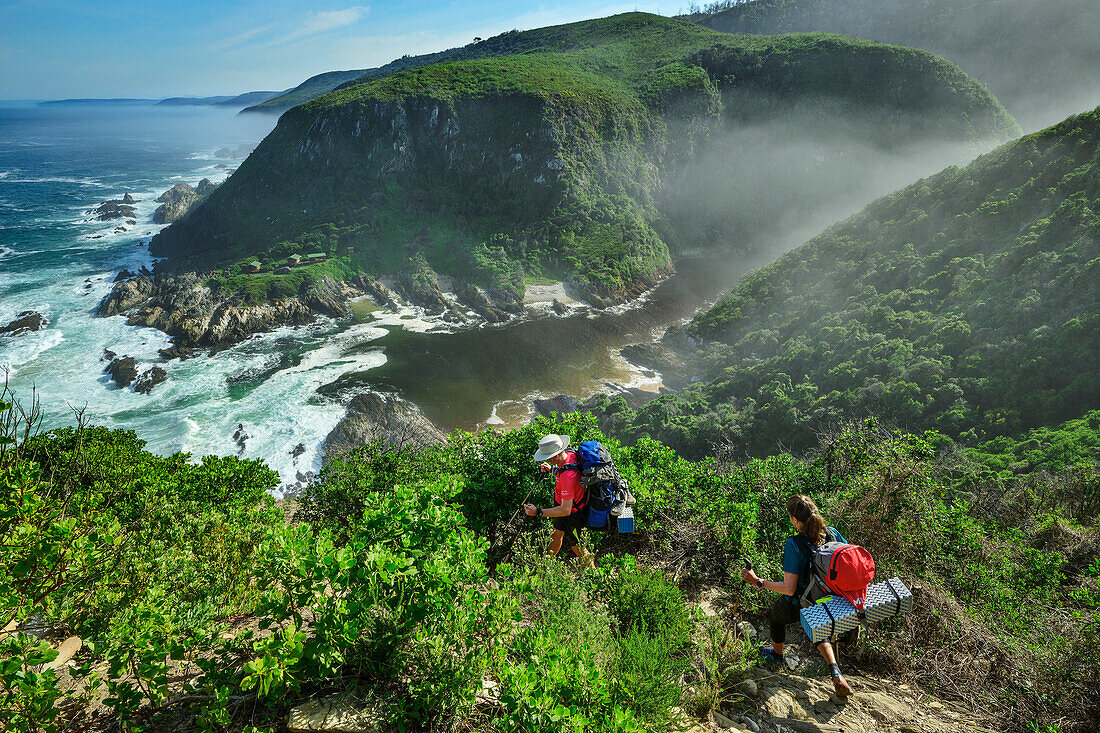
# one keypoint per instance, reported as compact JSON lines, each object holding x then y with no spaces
{"x":769,"y":655}
{"x":841,"y":687}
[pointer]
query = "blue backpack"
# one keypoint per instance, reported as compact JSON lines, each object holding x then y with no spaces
{"x":599,"y":478}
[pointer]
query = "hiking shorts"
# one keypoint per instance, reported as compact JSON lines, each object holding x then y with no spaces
{"x":571,"y":526}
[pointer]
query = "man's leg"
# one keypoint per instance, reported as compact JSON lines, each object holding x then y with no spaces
{"x":584,"y":557}
{"x":555,"y":542}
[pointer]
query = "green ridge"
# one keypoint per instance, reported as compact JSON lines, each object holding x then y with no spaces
{"x":1037,"y":56}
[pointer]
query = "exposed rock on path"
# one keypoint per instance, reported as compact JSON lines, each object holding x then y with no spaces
{"x":335,"y":714}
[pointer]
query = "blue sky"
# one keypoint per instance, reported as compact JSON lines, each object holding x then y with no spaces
{"x":51,"y":49}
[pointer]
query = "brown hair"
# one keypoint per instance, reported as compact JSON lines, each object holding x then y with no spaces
{"x":804,"y":510}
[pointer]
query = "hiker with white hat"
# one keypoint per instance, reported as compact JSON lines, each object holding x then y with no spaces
{"x":571,"y":512}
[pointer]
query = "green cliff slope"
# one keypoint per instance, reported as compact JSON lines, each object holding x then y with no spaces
{"x":966,"y":302}
{"x":553,"y":163}
{"x":1040,"y":57}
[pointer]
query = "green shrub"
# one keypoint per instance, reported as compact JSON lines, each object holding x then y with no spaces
{"x":647,"y":675}
{"x":645,"y":600}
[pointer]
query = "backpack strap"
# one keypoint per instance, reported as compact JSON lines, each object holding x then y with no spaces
{"x":577,"y":505}
{"x":806,"y":577}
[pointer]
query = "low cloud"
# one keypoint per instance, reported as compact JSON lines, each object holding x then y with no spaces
{"x":326,"y":20}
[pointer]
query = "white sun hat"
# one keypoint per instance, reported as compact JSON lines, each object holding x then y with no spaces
{"x":550,"y":446}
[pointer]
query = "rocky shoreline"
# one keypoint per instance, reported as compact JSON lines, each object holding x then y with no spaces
{"x":198,"y":317}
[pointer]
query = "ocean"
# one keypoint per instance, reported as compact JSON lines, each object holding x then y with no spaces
{"x":56,"y":163}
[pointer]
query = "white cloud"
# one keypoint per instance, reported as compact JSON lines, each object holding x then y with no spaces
{"x":326,"y":20}
{"x":241,"y":39}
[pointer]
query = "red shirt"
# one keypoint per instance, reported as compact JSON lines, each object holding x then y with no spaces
{"x":568,"y":485}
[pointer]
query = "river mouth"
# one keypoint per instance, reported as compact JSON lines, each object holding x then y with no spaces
{"x":488,"y":376}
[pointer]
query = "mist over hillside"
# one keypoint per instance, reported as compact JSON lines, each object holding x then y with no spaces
{"x":965,"y":303}
{"x":1041,"y":58}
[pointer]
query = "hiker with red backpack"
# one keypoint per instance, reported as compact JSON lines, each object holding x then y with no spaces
{"x":817,"y":561}
{"x":571,"y":511}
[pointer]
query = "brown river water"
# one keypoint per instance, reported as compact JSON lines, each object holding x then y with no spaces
{"x":488,"y":376}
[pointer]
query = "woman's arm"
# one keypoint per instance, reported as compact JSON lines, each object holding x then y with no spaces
{"x":788,"y":586}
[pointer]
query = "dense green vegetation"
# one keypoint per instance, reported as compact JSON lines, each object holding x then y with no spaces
{"x":200,"y":606}
{"x":551,"y":157}
{"x":966,"y":303}
{"x":1040,"y":57}
{"x":1071,"y":446}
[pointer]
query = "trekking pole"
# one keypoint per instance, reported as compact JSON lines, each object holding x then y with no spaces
{"x":741,"y":588}
{"x":515,"y":534}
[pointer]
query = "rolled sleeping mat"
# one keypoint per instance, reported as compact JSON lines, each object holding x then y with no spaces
{"x":827,"y":619}
{"x":886,"y":600}
{"x":626,"y":520}
{"x":832,"y":617}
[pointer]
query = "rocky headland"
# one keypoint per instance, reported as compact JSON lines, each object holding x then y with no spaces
{"x":372,"y":417}
{"x":198,"y":315}
{"x":178,"y":201}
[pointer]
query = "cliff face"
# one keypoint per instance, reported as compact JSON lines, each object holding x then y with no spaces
{"x":558,"y":164}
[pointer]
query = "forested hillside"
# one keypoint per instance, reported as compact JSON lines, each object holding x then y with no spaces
{"x":1040,"y":57}
{"x":966,"y":303}
{"x":558,"y":163}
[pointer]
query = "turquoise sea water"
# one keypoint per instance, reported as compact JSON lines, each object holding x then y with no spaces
{"x":56,"y":163}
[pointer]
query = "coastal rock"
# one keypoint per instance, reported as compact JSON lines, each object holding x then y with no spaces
{"x":476,"y":300}
{"x":177,"y":202}
{"x":126,"y":294}
{"x":372,"y":417}
{"x":675,"y":372}
{"x":25,"y":322}
{"x":507,"y":298}
{"x":124,"y":275}
{"x":149,"y":379}
{"x":113,"y":209}
{"x":128,"y":199}
{"x":123,"y":370}
{"x":238,"y":151}
{"x":176,"y":352}
{"x":423,"y":291}
{"x":376,"y":290}
{"x":186,"y":309}
{"x":328,"y":296}
{"x":562,"y":404}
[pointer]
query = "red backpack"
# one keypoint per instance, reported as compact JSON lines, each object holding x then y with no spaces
{"x":836,"y":568}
